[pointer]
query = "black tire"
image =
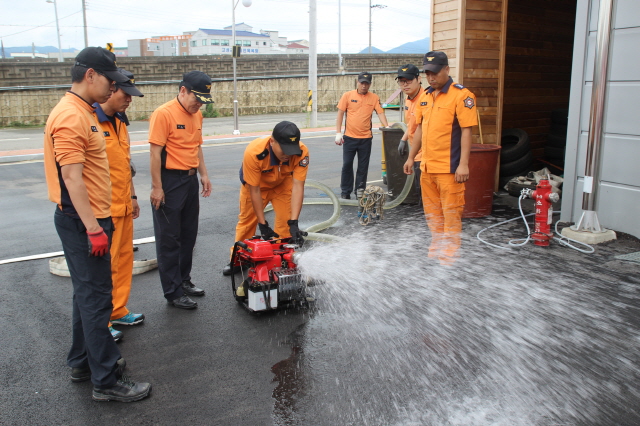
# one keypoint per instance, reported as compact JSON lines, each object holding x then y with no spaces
{"x":554,"y":152}
{"x":515,"y":188}
{"x":522,"y":164}
{"x":556,"y":141}
{"x":559,"y":130}
{"x":560,"y":116}
{"x":515,"y":144}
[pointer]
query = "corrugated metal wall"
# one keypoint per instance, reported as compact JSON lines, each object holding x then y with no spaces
{"x":618,"y":206}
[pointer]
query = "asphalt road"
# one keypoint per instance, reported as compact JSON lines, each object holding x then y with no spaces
{"x":537,"y":336}
{"x":207,"y":366}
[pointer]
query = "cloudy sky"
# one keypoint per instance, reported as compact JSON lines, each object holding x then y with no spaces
{"x":26,"y":21}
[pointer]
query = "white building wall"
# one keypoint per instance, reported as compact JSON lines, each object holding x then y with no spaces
{"x":618,"y":203}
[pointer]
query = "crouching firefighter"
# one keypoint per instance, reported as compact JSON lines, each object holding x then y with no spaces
{"x":274,"y":170}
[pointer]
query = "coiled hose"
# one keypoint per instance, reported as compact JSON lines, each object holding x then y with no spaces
{"x":314,"y":230}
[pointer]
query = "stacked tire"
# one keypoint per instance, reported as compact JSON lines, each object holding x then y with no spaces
{"x":516,"y":157}
{"x":556,"y":146}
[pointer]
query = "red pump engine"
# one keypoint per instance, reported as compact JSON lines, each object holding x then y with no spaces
{"x":272,"y":278}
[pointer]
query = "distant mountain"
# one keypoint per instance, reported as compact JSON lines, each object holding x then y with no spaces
{"x":373,"y":50}
{"x":418,"y":46}
{"x":39,"y":49}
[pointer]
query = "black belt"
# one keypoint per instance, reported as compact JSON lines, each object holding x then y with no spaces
{"x":189,"y":172}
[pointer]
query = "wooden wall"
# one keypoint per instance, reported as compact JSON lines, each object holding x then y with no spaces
{"x":471,"y":32}
{"x":539,"y":52}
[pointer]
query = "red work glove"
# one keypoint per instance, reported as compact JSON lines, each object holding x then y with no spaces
{"x":98,"y":243}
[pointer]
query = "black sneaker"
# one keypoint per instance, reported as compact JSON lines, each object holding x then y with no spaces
{"x":84,"y":374}
{"x":125,"y":390}
{"x":345,"y":196}
{"x":183,"y":302}
{"x":190,"y":289}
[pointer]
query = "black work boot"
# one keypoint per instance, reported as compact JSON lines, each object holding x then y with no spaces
{"x":183,"y":302}
{"x":84,"y":374}
{"x":125,"y":390}
{"x":190,"y":289}
{"x":229,"y":269}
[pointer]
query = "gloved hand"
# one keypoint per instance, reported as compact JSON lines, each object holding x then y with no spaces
{"x":98,"y":243}
{"x":402,"y":147}
{"x":296,"y":233}
{"x":339,"y":140}
{"x":266,"y":232}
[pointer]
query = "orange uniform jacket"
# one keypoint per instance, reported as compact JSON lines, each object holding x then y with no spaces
{"x":358,"y":110}
{"x":180,"y":132}
{"x":410,"y":118}
{"x":442,"y":120}
{"x":119,"y":156}
{"x":73,"y":136}
{"x":260,"y":167}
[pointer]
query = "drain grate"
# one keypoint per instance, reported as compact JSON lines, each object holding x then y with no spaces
{"x":632,"y":257}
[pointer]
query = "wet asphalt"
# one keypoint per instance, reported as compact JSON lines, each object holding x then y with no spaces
{"x":217,"y":365}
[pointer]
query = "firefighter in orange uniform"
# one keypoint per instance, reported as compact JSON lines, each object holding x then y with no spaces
{"x":409,"y":81}
{"x":274,"y":170}
{"x":124,"y":203}
{"x":445,"y":115}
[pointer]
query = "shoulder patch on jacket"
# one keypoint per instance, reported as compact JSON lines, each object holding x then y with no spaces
{"x":458,"y":86}
{"x":263,"y":154}
{"x":304,"y":162}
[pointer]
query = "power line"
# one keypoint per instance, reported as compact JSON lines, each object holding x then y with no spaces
{"x":40,"y":26}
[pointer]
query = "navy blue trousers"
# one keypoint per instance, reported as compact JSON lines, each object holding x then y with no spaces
{"x":92,"y":344}
{"x":176,"y":228}
{"x":350,"y":148}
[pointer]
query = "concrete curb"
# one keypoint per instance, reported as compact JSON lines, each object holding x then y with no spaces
{"x":11,"y":159}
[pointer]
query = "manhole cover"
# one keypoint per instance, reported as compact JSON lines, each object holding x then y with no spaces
{"x":632,"y":257}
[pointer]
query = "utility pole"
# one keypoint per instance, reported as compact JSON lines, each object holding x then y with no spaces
{"x":84,"y":20}
{"x":313,"y":62}
{"x":340,"y":67}
{"x":2,"y":43}
{"x":375,"y":6}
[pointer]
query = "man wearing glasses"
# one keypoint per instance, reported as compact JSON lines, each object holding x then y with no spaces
{"x":409,"y":81}
{"x":175,"y":137}
{"x":77,"y":174}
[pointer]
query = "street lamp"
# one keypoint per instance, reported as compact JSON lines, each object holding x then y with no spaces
{"x":371,"y":7}
{"x":234,"y":3}
{"x":55,"y":8}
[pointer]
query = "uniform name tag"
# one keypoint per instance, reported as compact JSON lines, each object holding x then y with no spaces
{"x":94,"y":129}
{"x":423,"y":104}
{"x":354,"y":100}
{"x":107,"y":134}
{"x":181,"y":126}
{"x":267,"y":171}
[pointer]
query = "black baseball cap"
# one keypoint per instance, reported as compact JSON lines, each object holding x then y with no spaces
{"x":128,"y":86}
{"x":287,"y":135}
{"x":364,"y":76}
{"x":408,"y":71}
{"x":100,"y":59}
{"x":435,"y":61}
{"x":200,"y":84}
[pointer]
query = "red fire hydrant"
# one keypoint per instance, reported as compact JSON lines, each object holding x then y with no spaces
{"x":543,"y":198}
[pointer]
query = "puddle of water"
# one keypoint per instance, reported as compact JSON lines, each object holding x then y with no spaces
{"x":528,"y":339}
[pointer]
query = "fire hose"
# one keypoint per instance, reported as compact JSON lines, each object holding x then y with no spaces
{"x":314,"y":230}
{"x":519,"y":242}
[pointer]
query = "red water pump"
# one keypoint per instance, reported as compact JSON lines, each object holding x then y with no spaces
{"x":543,"y":198}
{"x":272,"y":278}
